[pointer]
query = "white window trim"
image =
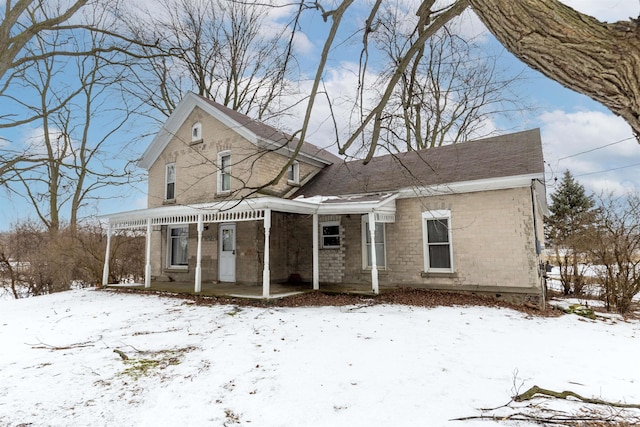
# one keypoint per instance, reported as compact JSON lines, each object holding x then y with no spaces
{"x":296,"y":173}
{"x":196,"y":127}
{"x":434,"y":215}
{"x":169,"y":248}
{"x":219,"y":189}
{"x":330,"y":224}
{"x":365,"y":261}
{"x":166,"y":181}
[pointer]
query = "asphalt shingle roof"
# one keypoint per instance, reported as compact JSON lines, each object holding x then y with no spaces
{"x":270,"y":133}
{"x":501,"y":156}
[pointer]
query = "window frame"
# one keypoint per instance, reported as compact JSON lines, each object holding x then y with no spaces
{"x":197,"y":127}
{"x":222,"y":172}
{"x":170,"y":238}
{"x":322,"y":236}
{"x":380,"y":264}
{"x":436,"y":215}
{"x":294,"y":169}
{"x":166,"y":181}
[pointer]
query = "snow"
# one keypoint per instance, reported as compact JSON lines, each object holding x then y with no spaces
{"x":220,"y":365}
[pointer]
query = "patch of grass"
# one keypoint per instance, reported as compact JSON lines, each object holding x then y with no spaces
{"x":147,"y":366}
{"x":581,"y":310}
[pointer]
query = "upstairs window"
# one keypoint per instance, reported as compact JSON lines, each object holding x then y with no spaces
{"x":170,"y":182}
{"x":293,"y":173}
{"x":196,"y":132}
{"x":224,"y":172}
{"x":438,"y":250}
{"x":330,"y":234}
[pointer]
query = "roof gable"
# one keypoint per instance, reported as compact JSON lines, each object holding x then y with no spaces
{"x":257,"y":133}
{"x":515,"y":154}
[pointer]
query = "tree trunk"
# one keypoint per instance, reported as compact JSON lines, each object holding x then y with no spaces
{"x":597,"y":59}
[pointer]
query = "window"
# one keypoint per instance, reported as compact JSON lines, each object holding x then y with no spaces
{"x":330,"y":234}
{"x":196,"y":132}
{"x":178,"y":245}
{"x":379,"y":244}
{"x":293,"y":173}
{"x":224,"y":172}
{"x":170,"y":179}
{"x":438,"y":252}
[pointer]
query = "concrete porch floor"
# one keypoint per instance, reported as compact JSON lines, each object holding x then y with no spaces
{"x":277,"y":290}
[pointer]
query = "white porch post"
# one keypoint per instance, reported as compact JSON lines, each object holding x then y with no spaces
{"x":105,"y":271}
{"x":266,"y":274}
{"x":198,"y":284}
{"x":147,"y":267}
{"x":316,"y":254}
{"x":374,"y":266}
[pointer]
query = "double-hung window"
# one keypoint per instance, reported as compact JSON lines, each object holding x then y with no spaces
{"x":378,"y":245}
{"x":170,"y":182}
{"x":438,"y":249}
{"x":178,"y":246}
{"x":330,"y":234}
{"x":224,"y":172}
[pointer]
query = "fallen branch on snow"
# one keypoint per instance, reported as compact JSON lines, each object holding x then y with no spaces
{"x":46,"y":346}
{"x":535,"y":391}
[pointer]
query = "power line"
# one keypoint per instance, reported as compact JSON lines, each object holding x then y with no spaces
{"x":608,"y":170}
{"x":597,"y":148}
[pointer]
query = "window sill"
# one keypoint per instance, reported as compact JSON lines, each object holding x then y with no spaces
{"x":293,"y":183}
{"x":197,"y":141}
{"x":169,"y":202}
{"x":175,"y":268}
{"x":441,"y":275}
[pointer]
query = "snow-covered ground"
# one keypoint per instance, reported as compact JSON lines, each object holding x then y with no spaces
{"x":383,"y":365}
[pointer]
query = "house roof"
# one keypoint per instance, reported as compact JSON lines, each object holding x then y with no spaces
{"x":256,"y":132}
{"x":516,"y":154}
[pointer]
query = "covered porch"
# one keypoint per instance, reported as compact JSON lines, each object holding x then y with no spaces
{"x":380,"y":208}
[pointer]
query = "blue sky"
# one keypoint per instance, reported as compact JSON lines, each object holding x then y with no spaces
{"x":578,"y":134}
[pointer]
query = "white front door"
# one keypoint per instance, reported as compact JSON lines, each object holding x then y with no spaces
{"x":227,"y":259}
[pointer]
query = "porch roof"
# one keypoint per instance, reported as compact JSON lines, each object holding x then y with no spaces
{"x":253,"y":209}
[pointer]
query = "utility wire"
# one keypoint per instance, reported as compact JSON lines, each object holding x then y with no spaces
{"x":607,"y":170}
{"x":597,"y":148}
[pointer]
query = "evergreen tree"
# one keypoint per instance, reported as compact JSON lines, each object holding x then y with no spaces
{"x":571,"y":215}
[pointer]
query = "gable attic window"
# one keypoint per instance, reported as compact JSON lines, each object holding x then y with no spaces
{"x":224,"y":172}
{"x":293,"y":173}
{"x":170,"y":182}
{"x":330,"y":234}
{"x":438,"y":250}
{"x":196,"y":132}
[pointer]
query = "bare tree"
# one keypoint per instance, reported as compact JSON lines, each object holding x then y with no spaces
{"x":64,"y":165}
{"x":597,"y":59}
{"x":224,"y":50}
{"x":615,"y":249}
{"x":450,"y":89}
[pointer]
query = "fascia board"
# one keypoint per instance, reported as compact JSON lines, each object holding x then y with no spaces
{"x":502,"y":183}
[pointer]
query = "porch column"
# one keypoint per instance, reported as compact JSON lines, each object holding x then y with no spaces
{"x":316,"y":254}
{"x":374,"y":266}
{"x":198,"y":285}
{"x":266,"y":274}
{"x":105,"y":271}
{"x":147,"y":266}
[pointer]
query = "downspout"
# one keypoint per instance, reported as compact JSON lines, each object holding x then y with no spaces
{"x":537,"y":240}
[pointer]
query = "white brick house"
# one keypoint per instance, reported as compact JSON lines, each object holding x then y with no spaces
{"x":465,"y":217}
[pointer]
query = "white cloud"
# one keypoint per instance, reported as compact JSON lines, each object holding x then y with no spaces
{"x":608,"y":11}
{"x":579,"y":141}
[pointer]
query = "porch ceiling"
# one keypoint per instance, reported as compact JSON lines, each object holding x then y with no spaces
{"x":382,"y":205}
